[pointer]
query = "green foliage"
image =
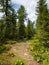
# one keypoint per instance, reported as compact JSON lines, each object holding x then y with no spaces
{"x":9,"y":27}
{"x":30,"y":30}
{"x":13,"y":26}
{"x":2,"y":31}
{"x":46,"y":62}
{"x":43,"y":22}
{"x":19,"y":62}
{"x":39,"y":52}
{"x":21,"y":26}
{"x":9,"y":19}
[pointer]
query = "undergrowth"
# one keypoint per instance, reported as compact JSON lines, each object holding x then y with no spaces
{"x":39,"y":52}
{"x":19,"y":62}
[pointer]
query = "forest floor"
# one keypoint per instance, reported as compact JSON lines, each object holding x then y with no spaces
{"x":16,"y":51}
{"x":21,"y":49}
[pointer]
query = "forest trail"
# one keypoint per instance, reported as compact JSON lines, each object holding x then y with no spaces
{"x":23,"y":52}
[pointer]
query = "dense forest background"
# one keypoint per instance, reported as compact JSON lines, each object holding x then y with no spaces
{"x":12,"y":27}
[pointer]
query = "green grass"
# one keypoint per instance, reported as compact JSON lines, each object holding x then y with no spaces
{"x":39,"y":52}
{"x":19,"y":61}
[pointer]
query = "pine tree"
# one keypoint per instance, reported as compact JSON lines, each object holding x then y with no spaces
{"x":2,"y":31}
{"x":42,"y":21}
{"x":21,"y":25}
{"x":2,"y":22}
{"x":29,"y":30}
{"x":33,"y":29}
{"x":13,"y":24}
{"x":6,"y":8}
{"x":10,"y":19}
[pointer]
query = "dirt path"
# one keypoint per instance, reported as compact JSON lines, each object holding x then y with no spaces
{"x":22,"y":50}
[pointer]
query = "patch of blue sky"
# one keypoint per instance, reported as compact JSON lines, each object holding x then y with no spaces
{"x":16,"y":6}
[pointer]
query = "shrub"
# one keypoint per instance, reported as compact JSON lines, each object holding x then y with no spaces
{"x":19,"y":62}
{"x":45,"y":62}
{"x":39,"y":52}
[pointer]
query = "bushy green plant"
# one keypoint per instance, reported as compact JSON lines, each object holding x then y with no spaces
{"x":45,"y":62}
{"x":19,"y":62}
{"x":39,"y":52}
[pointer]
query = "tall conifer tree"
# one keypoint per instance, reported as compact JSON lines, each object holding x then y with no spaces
{"x":14,"y":24}
{"x":21,"y":25}
{"x":42,"y":21}
{"x":29,"y":29}
{"x":9,"y":17}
